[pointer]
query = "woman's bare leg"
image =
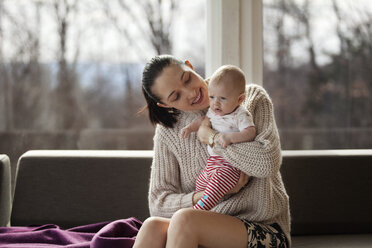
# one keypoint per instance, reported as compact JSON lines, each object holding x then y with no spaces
{"x":192,"y":228}
{"x":153,"y":233}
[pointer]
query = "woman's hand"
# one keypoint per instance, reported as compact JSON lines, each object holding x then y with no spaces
{"x":243,"y":180}
{"x":205,"y":131}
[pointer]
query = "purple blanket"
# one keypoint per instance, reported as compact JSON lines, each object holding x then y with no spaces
{"x":120,"y":233}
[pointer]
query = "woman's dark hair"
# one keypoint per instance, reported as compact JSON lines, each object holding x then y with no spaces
{"x":158,"y":115}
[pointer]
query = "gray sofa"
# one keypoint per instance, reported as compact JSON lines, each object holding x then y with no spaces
{"x":330,"y":197}
{"x":330,"y":191}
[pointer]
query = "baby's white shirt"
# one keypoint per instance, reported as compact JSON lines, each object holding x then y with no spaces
{"x":233,"y":122}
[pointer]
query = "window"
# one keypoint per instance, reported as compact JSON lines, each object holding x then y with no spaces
{"x":317,"y":69}
{"x":71,"y":70}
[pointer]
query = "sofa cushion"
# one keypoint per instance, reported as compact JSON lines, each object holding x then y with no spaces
{"x":330,"y":191}
{"x":71,"y":188}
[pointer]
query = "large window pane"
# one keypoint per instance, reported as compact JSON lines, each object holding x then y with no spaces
{"x":70,"y":71}
{"x":317,"y":69}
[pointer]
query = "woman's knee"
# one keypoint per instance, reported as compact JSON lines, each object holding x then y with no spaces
{"x":183,"y":221}
{"x":153,"y":233}
{"x":155,"y":225}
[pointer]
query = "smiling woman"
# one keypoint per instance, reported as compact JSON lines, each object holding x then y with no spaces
{"x":170,"y":85}
{"x":188,"y":93}
{"x":175,"y":97}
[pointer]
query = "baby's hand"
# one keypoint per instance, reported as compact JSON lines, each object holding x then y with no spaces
{"x":224,"y":140}
{"x":185,"y":132}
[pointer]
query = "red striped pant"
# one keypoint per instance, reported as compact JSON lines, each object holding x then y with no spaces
{"x":217,"y":178}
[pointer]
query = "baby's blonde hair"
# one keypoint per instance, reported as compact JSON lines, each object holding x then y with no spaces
{"x":230,"y":74}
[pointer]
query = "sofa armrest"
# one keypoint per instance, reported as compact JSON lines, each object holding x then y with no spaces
{"x":5,"y":190}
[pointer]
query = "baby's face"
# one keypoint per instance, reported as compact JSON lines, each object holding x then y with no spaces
{"x":223,"y":99}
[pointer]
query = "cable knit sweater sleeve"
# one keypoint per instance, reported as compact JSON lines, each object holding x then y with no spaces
{"x":262,"y":157}
{"x":166,"y":195}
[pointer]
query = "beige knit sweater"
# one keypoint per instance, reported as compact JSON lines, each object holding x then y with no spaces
{"x":177,"y":163}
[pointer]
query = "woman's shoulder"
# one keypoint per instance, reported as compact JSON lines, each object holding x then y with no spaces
{"x":183,"y":119}
{"x":254,"y":90}
{"x":165,"y":136}
{"x":256,"y":95}
{"x":162,"y":132}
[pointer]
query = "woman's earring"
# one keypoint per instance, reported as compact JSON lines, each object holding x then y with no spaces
{"x":171,"y":111}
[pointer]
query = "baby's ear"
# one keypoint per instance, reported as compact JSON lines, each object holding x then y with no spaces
{"x":241,"y":98}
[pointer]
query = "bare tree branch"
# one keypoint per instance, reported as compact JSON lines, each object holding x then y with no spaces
{"x":154,"y":27}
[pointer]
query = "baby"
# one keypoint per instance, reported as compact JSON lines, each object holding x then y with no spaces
{"x":233,"y":124}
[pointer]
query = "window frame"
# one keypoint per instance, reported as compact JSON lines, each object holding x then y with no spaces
{"x":235,"y":36}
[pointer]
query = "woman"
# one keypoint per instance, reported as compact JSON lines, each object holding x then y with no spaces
{"x":256,"y":214}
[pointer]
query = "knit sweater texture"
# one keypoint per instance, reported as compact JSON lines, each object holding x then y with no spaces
{"x":178,"y":162}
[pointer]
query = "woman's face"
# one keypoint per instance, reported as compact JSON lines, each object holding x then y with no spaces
{"x":181,"y":88}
